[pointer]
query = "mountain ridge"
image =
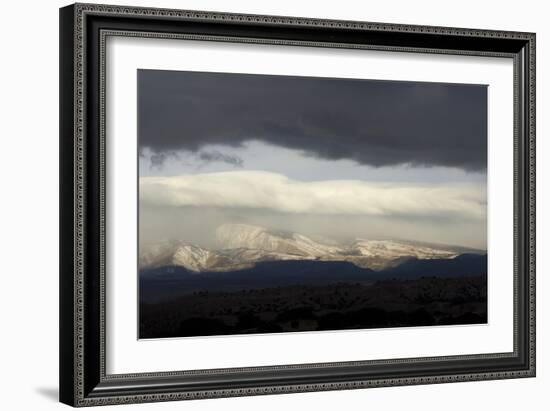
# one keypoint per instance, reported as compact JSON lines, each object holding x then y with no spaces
{"x":163,"y":283}
{"x":242,"y":246}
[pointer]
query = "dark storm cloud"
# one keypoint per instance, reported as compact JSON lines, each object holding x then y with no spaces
{"x":378,"y":123}
{"x":215,"y":156}
{"x":158,"y":159}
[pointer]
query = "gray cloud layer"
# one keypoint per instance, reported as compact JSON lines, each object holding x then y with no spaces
{"x":378,"y":123}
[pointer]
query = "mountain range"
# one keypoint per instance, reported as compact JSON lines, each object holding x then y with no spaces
{"x":244,"y":246}
{"x":168,"y":282}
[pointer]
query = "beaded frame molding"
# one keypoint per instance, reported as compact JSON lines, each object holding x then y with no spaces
{"x":84,"y":29}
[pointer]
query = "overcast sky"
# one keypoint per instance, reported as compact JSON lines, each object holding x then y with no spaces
{"x":329,"y":157}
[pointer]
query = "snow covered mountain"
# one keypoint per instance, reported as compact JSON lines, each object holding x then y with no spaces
{"x":390,"y":249}
{"x":241,"y":246}
{"x":253,"y":237}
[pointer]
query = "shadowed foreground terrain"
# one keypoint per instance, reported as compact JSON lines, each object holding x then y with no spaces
{"x":352,"y":305}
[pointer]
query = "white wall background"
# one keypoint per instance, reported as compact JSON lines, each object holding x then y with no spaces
{"x":29,"y":206}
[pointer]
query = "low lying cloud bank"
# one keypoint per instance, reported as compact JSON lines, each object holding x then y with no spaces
{"x":276,"y":192}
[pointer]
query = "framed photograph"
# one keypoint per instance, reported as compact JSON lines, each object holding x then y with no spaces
{"x":261,"y":204}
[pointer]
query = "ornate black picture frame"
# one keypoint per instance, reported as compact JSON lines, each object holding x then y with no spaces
{"x":83,"y":32}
